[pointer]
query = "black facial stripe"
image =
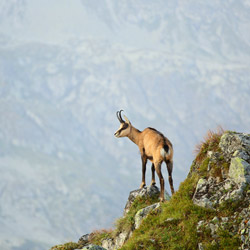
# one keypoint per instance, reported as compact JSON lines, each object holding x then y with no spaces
{"x":124,"y":126}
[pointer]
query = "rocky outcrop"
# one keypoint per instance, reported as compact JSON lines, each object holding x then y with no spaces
{"x":122,"y":237}
{"x":212,"y":192}
{"x":143,"y":192}
{"x":116,"y":242}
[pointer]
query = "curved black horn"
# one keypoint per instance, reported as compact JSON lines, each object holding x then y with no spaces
{"x":118,"y":114}
{"x":121,"y":116}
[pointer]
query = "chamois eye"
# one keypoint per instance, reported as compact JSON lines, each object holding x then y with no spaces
{"x":124,"y":126}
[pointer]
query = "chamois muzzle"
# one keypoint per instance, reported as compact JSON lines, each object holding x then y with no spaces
{"x":116,"y":133}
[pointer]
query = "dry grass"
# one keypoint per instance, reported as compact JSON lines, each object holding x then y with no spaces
{"x":97,"y":236}
{"x":210,"y":143}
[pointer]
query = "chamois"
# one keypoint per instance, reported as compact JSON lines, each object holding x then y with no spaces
{"x":153,"y":146}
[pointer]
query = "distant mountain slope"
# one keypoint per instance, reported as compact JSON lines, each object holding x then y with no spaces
{"x":181,"y":68}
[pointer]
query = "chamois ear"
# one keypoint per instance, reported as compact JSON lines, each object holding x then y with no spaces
{"x":127,"y":120}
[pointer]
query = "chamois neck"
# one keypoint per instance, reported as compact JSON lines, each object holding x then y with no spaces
{"x":134,"y":135}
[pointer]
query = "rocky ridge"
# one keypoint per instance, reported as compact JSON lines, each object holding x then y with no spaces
{"x":211,"y":209}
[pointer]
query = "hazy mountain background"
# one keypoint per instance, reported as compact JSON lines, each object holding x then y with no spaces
{"x":66,"y":67}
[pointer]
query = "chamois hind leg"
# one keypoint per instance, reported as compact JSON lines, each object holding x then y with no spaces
{"x":153,"y":175}
{"x":144,"y":162}
{"x":158,"y":171}
{"x":170,"y":169}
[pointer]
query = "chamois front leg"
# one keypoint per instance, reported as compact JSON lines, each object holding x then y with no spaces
{"x":153,"y":175}
{"x":144,"y":162}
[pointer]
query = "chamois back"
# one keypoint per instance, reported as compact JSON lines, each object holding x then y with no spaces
{"x":154,"y":143}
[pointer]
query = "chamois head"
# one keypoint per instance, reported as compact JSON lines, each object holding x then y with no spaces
{"x":125,"y":127}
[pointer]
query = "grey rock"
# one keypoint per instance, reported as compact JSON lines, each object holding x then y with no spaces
{"x":239,"y":170}
{"x":108,"y":244}
{"x":143,"y":192}
{"x":228,"y":186}
{"x":242,"y":154}
{"x":242,"y":237}
{"x":93,"y":247}
{"x":215,"y":220}
{"x":224,"y":219}
{"x":117,"y":242}
{"x":142,"y":213}
{"x":210,"y":193}
{"x":84,"y":239}
{"x":201,"y":193}
{"x":205,"y":202}
{"x":200,"y":225}
{"x":213,"y":228}
{"x":231,"y":142}
{"x":236,"y":194}
{"x":120,"y":239}
{"x":169,"y":219}
{"x":200,"y":246}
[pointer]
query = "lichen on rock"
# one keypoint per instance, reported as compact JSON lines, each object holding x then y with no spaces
{"x":231,"y":142}
{"x":239,"y":170}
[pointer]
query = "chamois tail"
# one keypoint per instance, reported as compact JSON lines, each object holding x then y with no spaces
{"x":165,"y":151}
